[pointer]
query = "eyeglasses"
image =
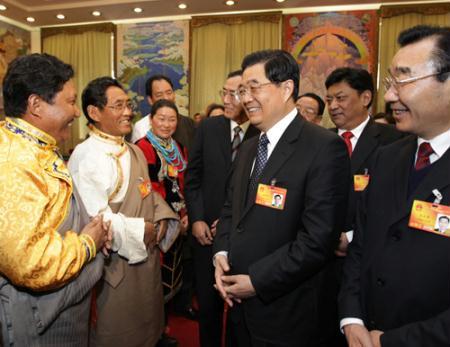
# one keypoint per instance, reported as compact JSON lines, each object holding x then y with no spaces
{"x":252,"y":89}
{"x":120,"y":107}
{"x":390,"y":81}
{"x":231,"y":93}
{"x":307,"y":111}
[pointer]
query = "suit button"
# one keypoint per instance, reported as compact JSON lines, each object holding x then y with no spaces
{"x":395,"y":237}
{"x":380,"y":282}
{"x":372,"y":323}
{"x":239,"y":229}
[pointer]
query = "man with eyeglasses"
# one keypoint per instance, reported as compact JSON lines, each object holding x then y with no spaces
{"x":395,"y":289}
{"x":159,"y":87}
{"x":311,"y":107}
{"x":268,"y":258}
{"x":349,"y":96}
{"x":216,"y":145}
{"x":112,"y":176}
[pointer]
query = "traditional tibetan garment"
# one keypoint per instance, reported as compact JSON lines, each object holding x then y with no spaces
{"x":44,"y":288}
{"x":129,"y":303}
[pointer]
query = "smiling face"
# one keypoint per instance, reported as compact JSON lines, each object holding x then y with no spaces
{"x":115,"y":118}
{"x":56,"y":118}
{"x":347,"y":107}
{"x":265,"y":102}
{"x":164,"y":122}
{"x":232,"y":107}
{"x":161,"y":89}
{"x":421,"y":107}
{"x":308,"y":109}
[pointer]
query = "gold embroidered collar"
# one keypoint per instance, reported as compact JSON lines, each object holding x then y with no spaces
{"x":23,"y":128}
{"x":118,"y":140}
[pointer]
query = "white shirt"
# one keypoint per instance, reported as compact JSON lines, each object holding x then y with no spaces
{"x":140,"y":128}
{"x":440,"y":145}
{"x":244,"y":126}
{"x":356,"y":132}
{"x":95,"y":173}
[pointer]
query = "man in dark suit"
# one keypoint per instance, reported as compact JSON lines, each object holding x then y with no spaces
{"x":349,"y":97}
{"x":267,"y":258}
{"x":215,"y":146}
{"x":395,"y":289}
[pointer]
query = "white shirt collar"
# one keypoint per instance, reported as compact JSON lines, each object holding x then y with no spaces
{"x":275,"y":132}
{"x":440,"y":144}
{"x":356,"y":131}
{"x":244,"y":126}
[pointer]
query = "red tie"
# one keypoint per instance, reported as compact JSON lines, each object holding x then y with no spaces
{"x":423,"y":155}
{"x":347,"y":135}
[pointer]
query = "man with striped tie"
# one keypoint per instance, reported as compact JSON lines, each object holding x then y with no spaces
{"x":215,"y":147}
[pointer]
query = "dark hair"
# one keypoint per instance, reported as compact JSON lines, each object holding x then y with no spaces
{"x":440,"y":54}
{"x":95,"y":94}
{"x":40,"y":74}
{"x":358,"y":79}
{"x":277,"y":196}
{"x":444,"y":217}
{"x":149,"y":83}
{"x":163,"y":103}
{"x":279,"y":66}
{"x":212,"y":107}
{"x":234,"y":74}
{"x":318,"y":99}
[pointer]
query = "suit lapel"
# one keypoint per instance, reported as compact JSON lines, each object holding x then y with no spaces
{"x":247,"y":159}
{"x":366,"y":144}
{"x":225,"y":139}
{"x":437,"y":178}
{"x":282,"y":151}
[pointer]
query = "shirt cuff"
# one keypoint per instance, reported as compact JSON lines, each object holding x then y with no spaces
{"x":224,"y":253}
{"x":348,"y":321}
{"x":349,"y":235}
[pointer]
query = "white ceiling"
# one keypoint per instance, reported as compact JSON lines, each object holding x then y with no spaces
{"x":45,"y":11}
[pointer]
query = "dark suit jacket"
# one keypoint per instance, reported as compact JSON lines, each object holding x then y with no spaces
{"x":396,"y":278}
{"x":185,"y":131}
{"x":373,"y":137}
{"x":208,"y":168}
{"x":283,"y":250}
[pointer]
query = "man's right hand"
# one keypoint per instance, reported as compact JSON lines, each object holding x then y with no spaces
{"x":96,"y":230}
{"x":222,"y":267}
{"x":202,"y":233}
{"x":357,"y":336}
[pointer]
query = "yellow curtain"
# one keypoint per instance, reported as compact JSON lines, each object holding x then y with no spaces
{"x":391,"y":26}
{"x":90,"y":54}
{"x":218,"y":46}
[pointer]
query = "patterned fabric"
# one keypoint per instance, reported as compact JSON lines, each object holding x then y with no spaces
{"x":423,"y":155}
{"x":35,"y":195}
{"x":236,"y":141}
{"x":347,"y":136}
{"x":260,"y":162}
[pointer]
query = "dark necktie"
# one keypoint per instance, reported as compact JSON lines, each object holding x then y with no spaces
{"x":236,"y":141}
{"x":260,"y":162}
{"x":347,"y":135}
{"x":423,"y":155}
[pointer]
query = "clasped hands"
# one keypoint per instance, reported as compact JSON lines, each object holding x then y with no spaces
{"x":231,"y":287}
{"x":358,"y":336}
{"x":100,"y":231}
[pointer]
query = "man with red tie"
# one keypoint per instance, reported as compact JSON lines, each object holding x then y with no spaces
{"x":349,"y":97}
{"x":396,"y":278}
